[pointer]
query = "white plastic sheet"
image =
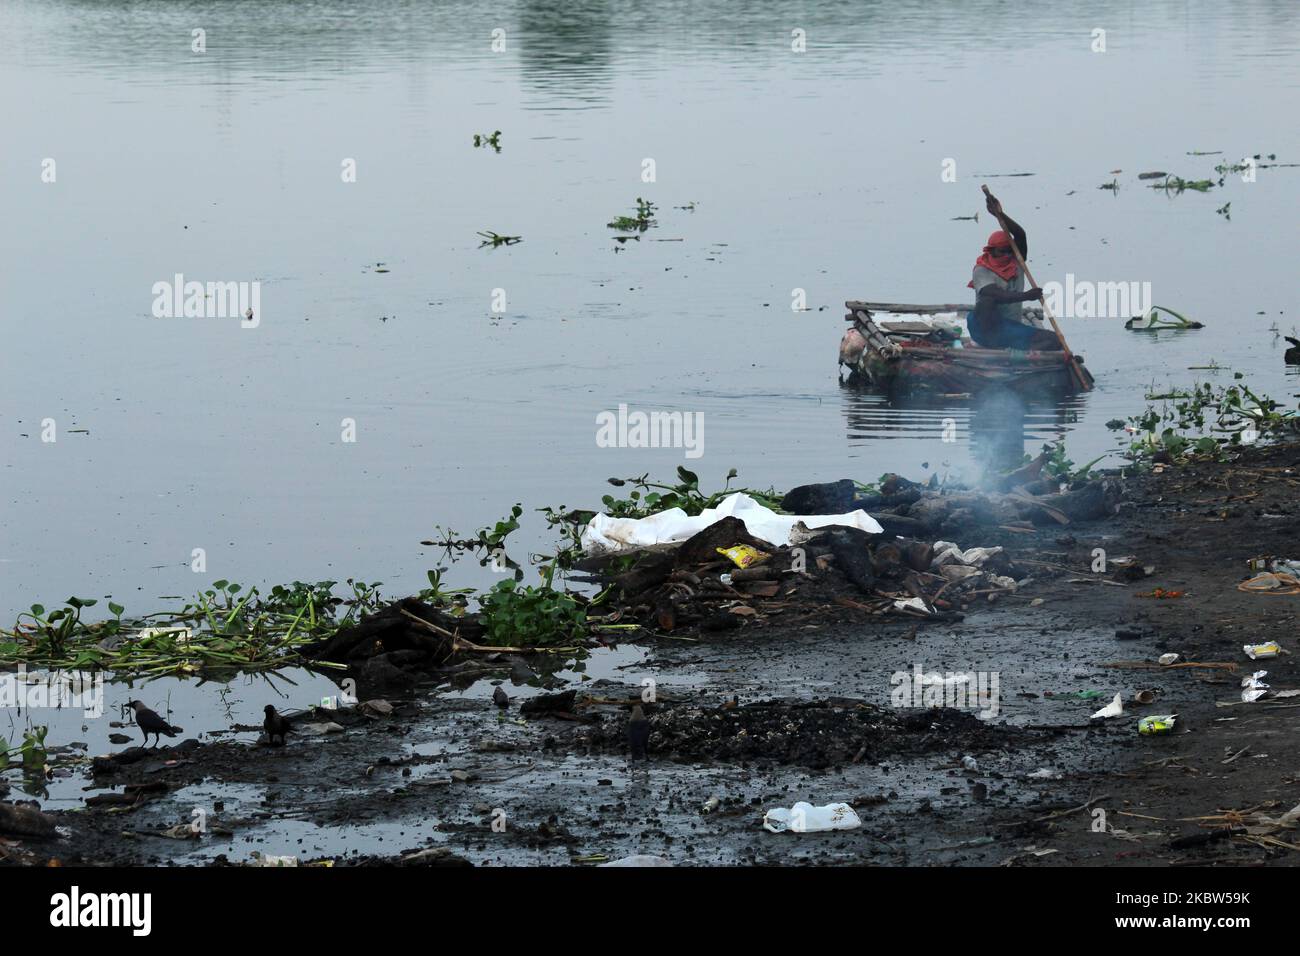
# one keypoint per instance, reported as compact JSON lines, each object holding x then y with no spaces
{"x":805,"y":818}
{"x":604,"y":534}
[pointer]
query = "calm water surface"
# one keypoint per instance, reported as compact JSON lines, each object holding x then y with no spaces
{"x":817,"y":170}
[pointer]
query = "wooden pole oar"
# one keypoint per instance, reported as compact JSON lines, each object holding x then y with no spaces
{"x":1029,"y":277}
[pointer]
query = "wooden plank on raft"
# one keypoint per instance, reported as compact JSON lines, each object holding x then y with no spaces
{"x":853,"y":305}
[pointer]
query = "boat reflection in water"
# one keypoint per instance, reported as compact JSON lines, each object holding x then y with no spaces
{"x":965,"y":436}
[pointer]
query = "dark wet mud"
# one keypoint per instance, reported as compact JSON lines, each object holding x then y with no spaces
{"x":758,"y":718}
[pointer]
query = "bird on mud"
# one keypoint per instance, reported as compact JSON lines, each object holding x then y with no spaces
{"x":500,"y":697}
{"x":1292,"y":355}
{"x":150,"y":723}
{"x":638,"y":733}
{"x":275,"y":726}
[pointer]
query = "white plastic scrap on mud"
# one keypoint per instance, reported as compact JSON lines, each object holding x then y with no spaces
{"x":1113,"y":709}
{"x":805,"y":818}
{"x":604,"y":534}
{"x":1253,"y":687}
{"x":945,"y":552}
{"x":954,"y":564}
{"x":639,"y":859}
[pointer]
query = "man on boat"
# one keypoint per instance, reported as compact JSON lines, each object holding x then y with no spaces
{"x":999,"y":284}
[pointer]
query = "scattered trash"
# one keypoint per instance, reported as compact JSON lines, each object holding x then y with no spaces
{"x":1271,"y":582}
{"x":970,"y":763}
{"x":1270,"y":563}
{"x":1253,"y":687}
{"x":1167,"y":659}
{"x":1149,"y":320}
{"x":1160,"y":594}
{"x":1088,"y":694}
{"x":1145,"y":697}
{"x":266,"y":859}
{"x":945,"y":552}
{"x":638,"y":860}
{"x":1133,"y":571}
{"x":1113,"y":709}
{"x":180,"y":635}
{"x":805,"y":818}
{"x":673,"y":526}
{"x":320,"y":729}
{"x":1155,"y":725}
{"x":1289,"y":819}
{"x":743,"y":556}
{"x":1044,"y":773}
{"x":710,"y":805}
{"x":1260,"y":651}
{"x":181,"y":831}
{"x":913,"y":604}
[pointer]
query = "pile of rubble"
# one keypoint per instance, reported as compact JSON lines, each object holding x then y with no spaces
{"x":724,"y":576}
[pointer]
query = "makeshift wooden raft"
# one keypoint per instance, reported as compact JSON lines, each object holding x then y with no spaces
{"x":937,"y":356}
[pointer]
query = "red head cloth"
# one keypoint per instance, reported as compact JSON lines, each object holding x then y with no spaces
{"x":1005,"y":266}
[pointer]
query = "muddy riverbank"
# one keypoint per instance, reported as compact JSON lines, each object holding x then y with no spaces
{"x":750,"y":719}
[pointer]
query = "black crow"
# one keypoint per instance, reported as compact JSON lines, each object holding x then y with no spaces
{"x":500,"y":697}
{"x":150,"y":723}
{"x":275,"y":726}
{"x":638,"y":733}
{"x":1292,"y":355}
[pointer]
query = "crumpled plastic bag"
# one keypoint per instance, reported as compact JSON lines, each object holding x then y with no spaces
{"x":1113,"y":709}
{"x":639,"y":859}
{"x":1253,"y":687}
{"x":945,"y":552}
{"x":803,"y":817}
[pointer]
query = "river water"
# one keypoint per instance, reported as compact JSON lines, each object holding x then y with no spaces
{"x":838,"y":169}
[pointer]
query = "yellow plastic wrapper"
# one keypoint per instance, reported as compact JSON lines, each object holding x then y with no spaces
{"x":1163,"y":724}
{"x":743,"y":556}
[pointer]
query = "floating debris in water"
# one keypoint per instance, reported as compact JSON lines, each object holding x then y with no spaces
{"x":494,"y":239}
{"x":485,"y":139}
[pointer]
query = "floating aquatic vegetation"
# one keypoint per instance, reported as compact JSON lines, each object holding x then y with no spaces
{"x":492,"y":139}
{"x":490,"y":542}
{"x":1059,"y":467}
{"x":642,"y":221}
{"x":494,"y":239}
{"x":31,"y":754}
{"x":1205,"y":421}
{"x":1177,"y":184}
{"x":532,"y":616}
{"x":225,"y":628}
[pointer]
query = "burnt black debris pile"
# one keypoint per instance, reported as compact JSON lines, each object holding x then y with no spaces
{"x":814,"y":734}
{"x":404,"y":643}
{"x":914,"y":568}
